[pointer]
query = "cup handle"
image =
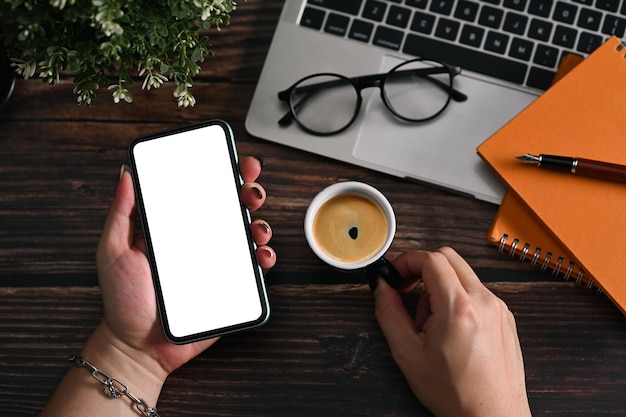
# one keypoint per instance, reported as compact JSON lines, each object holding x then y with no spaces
{"x":384,"y":269}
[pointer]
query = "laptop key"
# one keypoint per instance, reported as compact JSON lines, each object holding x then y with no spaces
{"x":417,"y":3}
{"x":565,"y":12}
{"x":374,"y":10}
{"x":540,"y":7}
{"x":398,"y":16}
{"x":540,"y":78}
{"x":447,"y":29}
{"x":388,"y":38}
{"x":546,"y":55}
{"x":466,"y":10}
{"x":515,"y":23}
{"x":588,"y":42}
{"x":442,"y":6}
{"x":345,"y":6}
{"x":610,"y":5}
{"x":614,"y":25}
{"x":361,"y":30}
{"x":589,"y":19}
{"x":496,"y":42}
{"x":521,"y":49}
{"x":564,"y":36}
{"x":312,"y":18}
{"x":540,"y":29}
{"x":515,"y":4}
{"x":466,"y":58}
{"x":491,"y":17}
{"x":337,"y":24}
{"x":472,"y":35}
{"x":423,"y":22}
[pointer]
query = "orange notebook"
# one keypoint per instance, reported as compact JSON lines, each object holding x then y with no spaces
{"x":519,"y":233}
{"x":580,"y":116}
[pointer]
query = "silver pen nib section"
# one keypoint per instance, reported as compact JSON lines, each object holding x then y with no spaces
{"x":530,"y":159}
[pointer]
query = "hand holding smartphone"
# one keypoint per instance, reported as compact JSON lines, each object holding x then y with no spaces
{"x":201,"y":251}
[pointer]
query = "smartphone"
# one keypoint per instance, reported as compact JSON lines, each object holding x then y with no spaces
{"x":202,"y":255}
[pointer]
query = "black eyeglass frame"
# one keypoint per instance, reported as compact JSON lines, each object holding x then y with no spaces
{"x":373,"y":80}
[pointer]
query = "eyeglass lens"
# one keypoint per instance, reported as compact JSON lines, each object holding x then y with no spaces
{"x":418,"y":90}
{"x":324,"y":103}
{"x":414,"y":91}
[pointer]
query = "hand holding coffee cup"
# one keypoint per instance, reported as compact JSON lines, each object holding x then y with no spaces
{"x":350,"y":226}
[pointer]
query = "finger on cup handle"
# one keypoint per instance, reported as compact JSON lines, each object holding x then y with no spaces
{"x":383,"y":269}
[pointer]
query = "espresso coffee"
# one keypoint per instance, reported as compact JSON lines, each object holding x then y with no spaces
{"x":350,"y":228}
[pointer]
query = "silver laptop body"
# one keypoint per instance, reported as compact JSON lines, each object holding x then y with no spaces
{"x":441,"y":152}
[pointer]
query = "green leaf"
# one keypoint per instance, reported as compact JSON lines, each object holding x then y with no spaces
{"x":100,"y":39}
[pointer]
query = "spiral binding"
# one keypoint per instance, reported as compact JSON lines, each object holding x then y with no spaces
{"x":535,"y":258}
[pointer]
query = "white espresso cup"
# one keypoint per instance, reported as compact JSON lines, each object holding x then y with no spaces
{"x":350,"y":226}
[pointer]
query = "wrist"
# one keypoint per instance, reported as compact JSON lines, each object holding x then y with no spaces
{"x":108,"y":362}
{"x":143,"y":375}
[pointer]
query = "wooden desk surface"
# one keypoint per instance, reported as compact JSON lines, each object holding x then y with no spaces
{"x":322,"y":352}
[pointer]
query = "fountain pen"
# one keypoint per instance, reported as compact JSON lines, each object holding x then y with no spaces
{"x":578,"y":166}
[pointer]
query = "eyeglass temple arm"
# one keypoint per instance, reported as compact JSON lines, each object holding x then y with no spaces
{"x":288,"y":117}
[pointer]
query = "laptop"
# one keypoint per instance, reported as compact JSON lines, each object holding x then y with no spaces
{"x":509,"y":51}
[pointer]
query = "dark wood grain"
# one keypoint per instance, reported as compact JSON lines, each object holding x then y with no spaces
{"x":322,"y":352}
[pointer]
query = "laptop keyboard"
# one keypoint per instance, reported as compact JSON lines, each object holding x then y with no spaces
{"x":520,"y":41}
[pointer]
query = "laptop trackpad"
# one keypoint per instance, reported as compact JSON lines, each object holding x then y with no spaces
{"x":441,"y":151}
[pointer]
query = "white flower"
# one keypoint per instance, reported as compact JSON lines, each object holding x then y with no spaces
{"x":184,"y":96}
{"x":120,"y":93}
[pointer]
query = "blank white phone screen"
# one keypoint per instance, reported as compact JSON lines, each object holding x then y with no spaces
{"x":197,"y":230}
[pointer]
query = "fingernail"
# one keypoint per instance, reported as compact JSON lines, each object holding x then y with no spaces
{"x":268,"y":251}
{"x":261,"y":160}
{"x":264,"y":225}
{"x":372,"y":280}
{"x":385,"y":269}
{"x":123,"y":169}
{"x":258,"y":192}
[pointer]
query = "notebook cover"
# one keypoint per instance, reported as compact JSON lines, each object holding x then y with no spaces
{"x":517,"y":232}
{"x":580,"y":116}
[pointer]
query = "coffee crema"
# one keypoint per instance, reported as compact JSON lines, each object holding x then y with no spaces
{"x":350,"y":228}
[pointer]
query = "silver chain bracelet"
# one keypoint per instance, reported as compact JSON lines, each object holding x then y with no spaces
{"x":112,"y":387}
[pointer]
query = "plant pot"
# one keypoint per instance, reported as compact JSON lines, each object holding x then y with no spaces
{"x":7,"y":78}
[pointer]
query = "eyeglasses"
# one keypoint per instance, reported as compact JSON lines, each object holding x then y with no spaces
{"x":414,"y":91}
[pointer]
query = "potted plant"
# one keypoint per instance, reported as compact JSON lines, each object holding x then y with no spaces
{"x":106,"y":42}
